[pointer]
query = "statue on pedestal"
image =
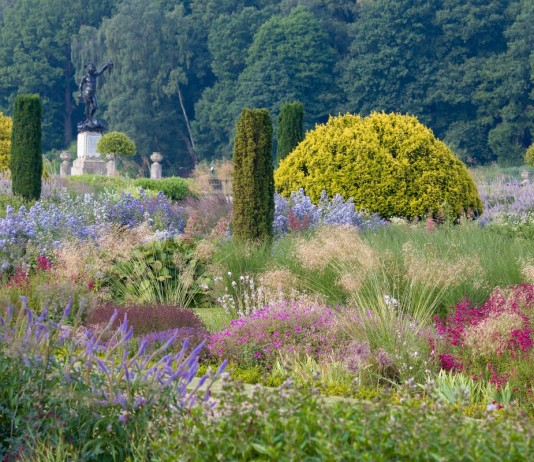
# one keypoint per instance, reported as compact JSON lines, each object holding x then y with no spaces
{"x":87,"y":92}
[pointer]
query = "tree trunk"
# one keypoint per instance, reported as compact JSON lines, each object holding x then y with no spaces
{"x":191,"y":145}
{"x":67,"y":114}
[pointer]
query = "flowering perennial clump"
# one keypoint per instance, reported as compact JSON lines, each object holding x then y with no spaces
{"x":479,"y":337}
{"x":49,"y":224}
{"x":281,"y":327}
{"x":299,"y":212}
{"x":117,"y":371}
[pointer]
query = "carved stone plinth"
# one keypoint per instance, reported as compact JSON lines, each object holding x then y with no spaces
{"x":88,"y":166}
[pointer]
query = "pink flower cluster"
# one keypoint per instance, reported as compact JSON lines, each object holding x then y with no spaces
{"x":501,"y":326}
{"x":279,"y":327}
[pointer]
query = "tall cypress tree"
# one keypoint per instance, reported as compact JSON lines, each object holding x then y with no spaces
{"x":253,"y":185}
{"x":290,"y":129}
{"x":26,"y":162}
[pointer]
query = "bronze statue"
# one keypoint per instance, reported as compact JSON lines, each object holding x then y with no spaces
{"x":87,"y":92}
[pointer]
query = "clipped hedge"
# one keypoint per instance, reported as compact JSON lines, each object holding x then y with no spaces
{"x":26,"y":162}
{"x":253,"y":184}
{"x":390,"y":164}
{"x":290,"y":129}
{"x":100,"y":183}
{"x":174,"y":188}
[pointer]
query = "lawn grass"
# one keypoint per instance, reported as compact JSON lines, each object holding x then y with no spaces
{"x":214,"y":318}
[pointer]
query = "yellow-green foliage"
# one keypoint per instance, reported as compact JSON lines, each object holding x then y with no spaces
{"x":529,"y":155}
{"x":389,"y":163}
{"x":5,"y":141}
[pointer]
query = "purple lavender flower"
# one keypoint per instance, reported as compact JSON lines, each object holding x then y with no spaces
{"x":300,"y":208}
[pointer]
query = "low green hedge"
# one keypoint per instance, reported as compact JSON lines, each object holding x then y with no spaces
{"x":174,"y":188}
{"x":99,"y":183}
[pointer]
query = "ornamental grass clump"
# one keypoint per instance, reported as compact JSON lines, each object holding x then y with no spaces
{"x":282,"y":327}
{"x":342,"y":249}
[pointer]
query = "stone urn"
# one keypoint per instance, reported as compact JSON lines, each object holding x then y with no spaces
{"x":64,"y":170}
{"x":155,"y":168}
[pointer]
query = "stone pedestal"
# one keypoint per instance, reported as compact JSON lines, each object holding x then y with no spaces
{"x":64,"y":170}
{"x":155,"y":168}
{"x":111,"y":166}
{"x":88,"y":161}
{"x":87,"y":142}
{"x":88,"y":166}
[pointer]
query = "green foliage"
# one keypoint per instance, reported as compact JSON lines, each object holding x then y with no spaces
{"x":6,"y":125}
{"x":100,"y":183}
{"x":299,"y":425}
{"x":529,"y":155}
{"x":253,"y":184}
{"x":290,"y":129}
{"x":116,"y":143}
{"x":26,"y":163}
{"x":174,"y":188}
{"x":14,"y":201}
{"x":388,"y":163}
{"x":458,"y":388}
{"x":251,"y":375}
{"x":166,"y":272}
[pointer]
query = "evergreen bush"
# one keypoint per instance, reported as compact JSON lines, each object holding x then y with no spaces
{"x":390,"y":164}
{"x":253,"y":185}
{"x":117,"y":143}
{"x":174,"y":188}
{"x":290,"y":129}
{"x":6,"y":125}
{"x":26,"y":163}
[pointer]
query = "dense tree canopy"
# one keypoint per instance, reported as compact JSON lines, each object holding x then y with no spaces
{"x":184,"y":69}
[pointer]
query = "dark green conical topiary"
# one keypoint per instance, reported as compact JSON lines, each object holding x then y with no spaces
{"x":26,"y":162}
{"x":253,"y":185}
{"x":290,"y":129}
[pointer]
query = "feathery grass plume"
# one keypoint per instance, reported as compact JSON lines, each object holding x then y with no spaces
{"x":341,"y":249}
{"x":492,"y":335}
{"x":79,"y":260}
{"x":428,"y":265}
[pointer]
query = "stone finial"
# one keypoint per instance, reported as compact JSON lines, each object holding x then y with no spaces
{"x":64,"y":170}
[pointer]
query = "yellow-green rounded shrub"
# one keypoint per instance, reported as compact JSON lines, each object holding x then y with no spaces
{"x":390,"y":164}
{"x":529,"y":155}
{"x":6,"y":124}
